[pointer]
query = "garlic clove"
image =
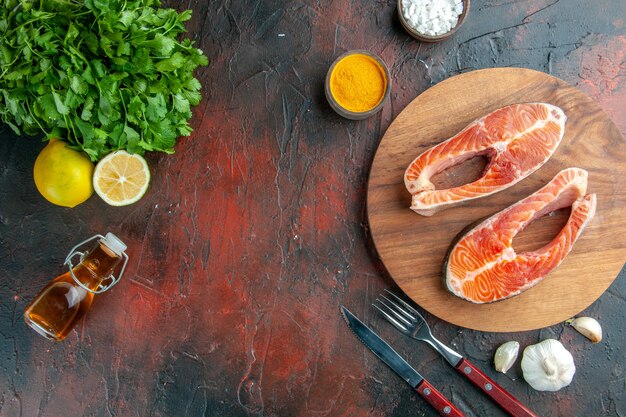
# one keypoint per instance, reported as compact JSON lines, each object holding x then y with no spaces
{"x":588,"y":327}
{"x":548,"y":366}
{"x":505,"y":356}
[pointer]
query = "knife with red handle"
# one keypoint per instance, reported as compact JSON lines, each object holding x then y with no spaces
{"x":437,"y":400}
{"x":386,"y":353}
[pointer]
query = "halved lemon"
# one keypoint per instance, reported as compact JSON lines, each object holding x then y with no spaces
{"x":121,"y":178}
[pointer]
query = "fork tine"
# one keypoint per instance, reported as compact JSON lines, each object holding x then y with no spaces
{"x":404,"y":303}
{"x":394,"y":311}
{"x":398,"y":308}
{"x":390,"y":319}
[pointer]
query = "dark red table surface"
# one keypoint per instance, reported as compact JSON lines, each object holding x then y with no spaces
{"x":254,"y":232}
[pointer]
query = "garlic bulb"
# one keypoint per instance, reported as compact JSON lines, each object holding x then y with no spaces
{"x":548,"y":366}
{"x":588,"y":327}
{"x":505,"y":356}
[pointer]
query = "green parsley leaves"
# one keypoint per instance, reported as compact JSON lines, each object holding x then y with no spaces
{"x":101,"y":75}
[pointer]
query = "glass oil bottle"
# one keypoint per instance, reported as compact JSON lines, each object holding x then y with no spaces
{"x":65,"y":300}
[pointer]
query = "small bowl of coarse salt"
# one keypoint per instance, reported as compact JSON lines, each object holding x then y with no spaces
{"x":432,"y":20}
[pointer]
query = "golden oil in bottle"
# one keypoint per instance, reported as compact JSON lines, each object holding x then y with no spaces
{"x":64,"y":301}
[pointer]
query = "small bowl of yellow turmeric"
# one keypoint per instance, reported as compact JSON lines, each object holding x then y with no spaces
{"x":357,"y":84}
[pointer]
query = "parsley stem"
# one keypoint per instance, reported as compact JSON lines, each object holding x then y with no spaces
{"x":73,"y":131}
{"x":35,"y":118}
{"x":172,"y":26}
{"x":32,"y":50}
{"x":123,"y":102}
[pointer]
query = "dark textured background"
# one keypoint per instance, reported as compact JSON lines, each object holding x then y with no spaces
{"x":254,"y":232}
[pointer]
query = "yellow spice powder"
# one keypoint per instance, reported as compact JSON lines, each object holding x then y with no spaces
{"x":358,"y":83}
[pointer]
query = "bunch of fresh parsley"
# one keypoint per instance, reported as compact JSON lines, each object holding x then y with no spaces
{"x":101,"y":75}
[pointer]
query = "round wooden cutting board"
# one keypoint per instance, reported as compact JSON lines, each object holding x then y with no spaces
{"x":413,"y":247}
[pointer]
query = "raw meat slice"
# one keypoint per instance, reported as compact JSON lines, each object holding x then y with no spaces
{"x":482,"y":266}
{"x":517,"y":139}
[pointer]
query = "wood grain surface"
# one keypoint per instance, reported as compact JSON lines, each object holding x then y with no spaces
{"x":413,"y":247}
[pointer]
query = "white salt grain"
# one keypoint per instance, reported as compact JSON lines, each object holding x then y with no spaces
{"x":432,"y":17}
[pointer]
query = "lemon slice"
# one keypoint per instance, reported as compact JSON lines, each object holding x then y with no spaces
{"x":121,"y":179}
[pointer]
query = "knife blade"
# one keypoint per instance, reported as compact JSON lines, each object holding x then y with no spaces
{"x":384,"y":352}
